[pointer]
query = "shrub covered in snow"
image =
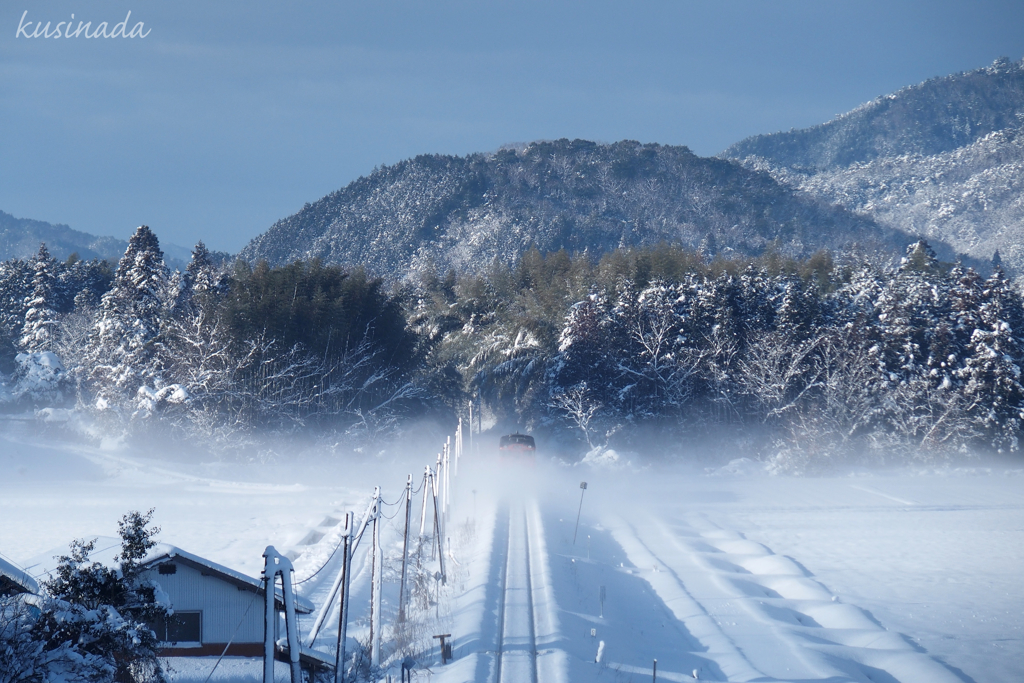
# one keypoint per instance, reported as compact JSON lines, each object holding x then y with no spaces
{"x":39,"y":377}
{"x":91,"y":623}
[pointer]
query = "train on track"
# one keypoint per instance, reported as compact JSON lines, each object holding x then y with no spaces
{"x":517,"y":449}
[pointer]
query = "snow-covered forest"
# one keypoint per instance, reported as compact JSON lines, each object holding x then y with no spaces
{"x":800,"y":363}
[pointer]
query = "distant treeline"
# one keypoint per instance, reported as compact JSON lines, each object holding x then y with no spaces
{"x":800,"y":361}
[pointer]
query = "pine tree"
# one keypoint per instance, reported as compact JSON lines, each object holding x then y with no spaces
{"x":584,"y":346}
{"x":716,"y":328}
{"x":38,"y":330}
{"x":654,"y":364}
{"x":123,"y":349}
{"x":915,"y":339}
{"x":799,"y":311}
{"x":197,"y":284}
{"x":993,"y":389}
{"x":15,"y":290}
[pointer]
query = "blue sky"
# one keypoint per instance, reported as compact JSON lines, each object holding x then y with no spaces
{"x":230,"y":115}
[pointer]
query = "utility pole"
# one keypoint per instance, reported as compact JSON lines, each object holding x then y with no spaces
{"x":458,"y":447}
{"x":439,"y":493}
{"x":433,"y":495}
{"x":339,"y":659}
{"x":583,"y":489}
{"x":405,"y":548}
{"x":375,"y":586}
{"x":437,"y":536}
{"x":447,"y":479}
{"x":423,"y":512}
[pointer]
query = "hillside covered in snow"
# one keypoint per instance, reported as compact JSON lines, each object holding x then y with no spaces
{"x":943,"y":160}
{"x":461,"y":213}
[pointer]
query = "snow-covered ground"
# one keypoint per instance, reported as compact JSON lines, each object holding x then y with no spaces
{"x":909,"y":576}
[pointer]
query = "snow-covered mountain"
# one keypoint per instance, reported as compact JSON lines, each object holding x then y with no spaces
{"x":939,"y":115}
{"x":943,"y":159}
{"x":463,"y":212}
{"x":20,"y":238}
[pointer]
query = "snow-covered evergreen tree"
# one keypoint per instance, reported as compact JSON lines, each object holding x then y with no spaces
{"x":123,"y":354}
{"x":718,"y":331}
{"x":656,"y":362}
{"x":197,"y":284}
{"x":15,"y":290}
{"x":38,"y":331}
{"x":992,"y":373}
{"x":584,"y":346}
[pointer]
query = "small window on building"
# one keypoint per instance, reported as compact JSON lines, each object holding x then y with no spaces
{"x":181,"y":627}
{"x":185,"y":627}
{"x":168,"y":568}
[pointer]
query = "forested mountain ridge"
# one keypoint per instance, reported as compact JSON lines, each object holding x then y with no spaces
{"x":971,"y":197}
{"x":452,"y":212}
{"x":942,"y":160}
{"x":933,"y":117}
{"x":20,"y":238}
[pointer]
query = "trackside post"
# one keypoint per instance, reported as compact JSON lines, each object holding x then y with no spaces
{"x":583,"y":489}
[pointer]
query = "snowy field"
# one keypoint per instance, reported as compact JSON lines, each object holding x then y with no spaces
{"x":909,"y":576}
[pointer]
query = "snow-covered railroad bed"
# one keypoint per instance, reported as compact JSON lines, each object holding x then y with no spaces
{"x":526,"y":620}
{"x":516,"y":657}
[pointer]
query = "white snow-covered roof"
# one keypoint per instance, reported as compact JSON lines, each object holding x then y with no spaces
{"x":165,"y":552}
{"x":106,"y":547}
{"x":13,"y":576}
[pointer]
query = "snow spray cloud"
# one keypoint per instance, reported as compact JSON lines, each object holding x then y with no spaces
{"x":30,"y":27}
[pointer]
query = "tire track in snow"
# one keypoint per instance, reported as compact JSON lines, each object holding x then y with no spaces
{"x":670,"y":587}
{"x":785,"y":622}
{"x":867,"y":489}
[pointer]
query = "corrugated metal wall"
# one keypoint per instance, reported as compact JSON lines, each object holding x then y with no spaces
{"x":221,"y":603}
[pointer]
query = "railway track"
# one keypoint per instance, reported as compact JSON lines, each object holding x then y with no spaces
{"x":516,"y":660}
